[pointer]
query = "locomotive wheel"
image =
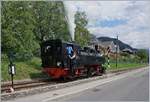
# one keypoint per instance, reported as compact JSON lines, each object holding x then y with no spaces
{"x":71,"y":78}
{"x":100,"y":72}
{"x":89,"y":73}
{"x":65,"y":79}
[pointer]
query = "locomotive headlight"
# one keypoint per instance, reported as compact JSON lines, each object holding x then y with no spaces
{"x":58,"y":63}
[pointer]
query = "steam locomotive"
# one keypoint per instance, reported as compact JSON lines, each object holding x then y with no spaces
{"x":58,"y":64}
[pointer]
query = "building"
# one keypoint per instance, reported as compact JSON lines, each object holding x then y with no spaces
{"x":128,"y":50}
{"x":110,"y":45}
{"x":103,"y":47}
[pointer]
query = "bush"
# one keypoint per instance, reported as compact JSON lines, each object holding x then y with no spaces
{"x":23,"y":56}
{"x":142,"y":56}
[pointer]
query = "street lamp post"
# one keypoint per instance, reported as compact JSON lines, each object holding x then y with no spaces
{"x":117,"y":52}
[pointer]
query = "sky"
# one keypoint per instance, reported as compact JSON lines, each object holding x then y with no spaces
{"x":130,"y":20}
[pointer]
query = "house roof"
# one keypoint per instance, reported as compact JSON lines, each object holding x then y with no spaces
{"x":106,"y":43}
{"x":127,"y":50}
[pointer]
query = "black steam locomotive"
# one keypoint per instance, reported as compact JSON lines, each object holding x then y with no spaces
{"x":64,"y":60}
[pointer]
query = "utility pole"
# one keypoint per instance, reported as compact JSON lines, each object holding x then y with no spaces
{"x":117,"y":51}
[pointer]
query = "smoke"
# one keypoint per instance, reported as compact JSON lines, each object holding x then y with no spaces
{"x":70,"y":18}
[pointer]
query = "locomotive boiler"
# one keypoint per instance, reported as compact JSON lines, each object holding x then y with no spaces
{"x":57,"y":63}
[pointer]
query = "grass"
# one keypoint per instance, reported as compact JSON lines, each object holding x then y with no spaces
{"x":126,"y":65}
{"x":31,"y":69}
{"x":24,"y":70}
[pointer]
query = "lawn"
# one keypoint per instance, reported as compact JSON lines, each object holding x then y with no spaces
{"x":127,"y":65}
{"x":24,"y":70}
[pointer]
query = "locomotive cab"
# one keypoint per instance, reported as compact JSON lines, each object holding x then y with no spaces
{"x":51,"y":53}
{"x":55,"y":60}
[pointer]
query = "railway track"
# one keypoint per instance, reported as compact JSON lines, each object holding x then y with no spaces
{"x":5,"y":88}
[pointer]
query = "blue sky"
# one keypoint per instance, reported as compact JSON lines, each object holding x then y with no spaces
{"x":130,"y":20}
{"x":108,"y":23}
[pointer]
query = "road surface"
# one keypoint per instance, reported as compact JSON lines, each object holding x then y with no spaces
{"x":131,"y":86}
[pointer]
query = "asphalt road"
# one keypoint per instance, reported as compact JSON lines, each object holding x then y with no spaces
{"x":132,"y":88}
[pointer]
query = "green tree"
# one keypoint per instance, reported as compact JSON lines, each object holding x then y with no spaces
{"x":82,"y":35}
{"x":50,"y":20}
{"x":26,"y":24}
{"x":17,"y":28}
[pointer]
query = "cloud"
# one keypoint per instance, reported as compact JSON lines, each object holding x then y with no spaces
{"x":128,"y":19}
